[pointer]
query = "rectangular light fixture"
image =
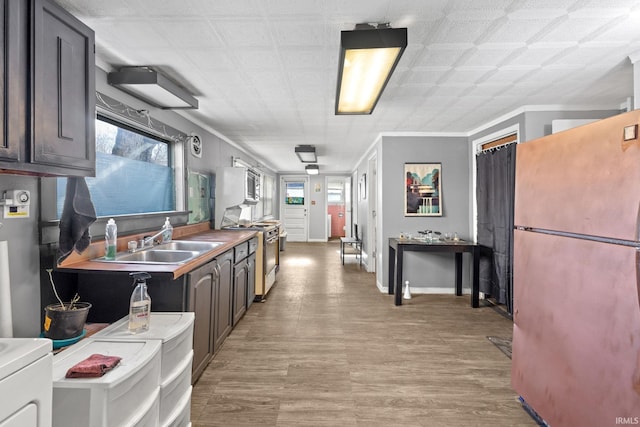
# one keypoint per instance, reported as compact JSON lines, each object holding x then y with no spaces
{"x":312,"y":169}
{"x":367,"y":60}
{"x":151,"y":86}
{"x":306,"y":153}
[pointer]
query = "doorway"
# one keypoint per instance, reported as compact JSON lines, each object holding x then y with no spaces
{"x":336,"y":208}
{"x":294,"y":207}
{"x":494,"y":186}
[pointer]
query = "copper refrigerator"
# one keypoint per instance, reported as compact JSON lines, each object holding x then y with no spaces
{"x":576,"y":336}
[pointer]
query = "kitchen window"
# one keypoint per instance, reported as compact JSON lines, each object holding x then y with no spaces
{"x":267,"y":195}
{"x":134,"y":173}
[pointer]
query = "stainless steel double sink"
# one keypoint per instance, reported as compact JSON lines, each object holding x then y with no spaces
{"x":174,"y":252}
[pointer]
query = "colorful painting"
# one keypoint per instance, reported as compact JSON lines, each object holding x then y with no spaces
{"x":423,"y":189}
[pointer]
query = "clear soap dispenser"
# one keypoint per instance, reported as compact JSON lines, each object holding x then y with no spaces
{"x":140,"y":308}
{"x":110,"y":239}
{"x":167,"y":231}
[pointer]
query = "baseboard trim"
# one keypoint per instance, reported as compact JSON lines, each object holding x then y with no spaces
{"x":426,"y":290}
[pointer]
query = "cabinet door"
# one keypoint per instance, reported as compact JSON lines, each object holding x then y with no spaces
{"x":63,"y":111}
{"x":13,"y":73}
{"x":240,"y":282}
{"x":251,"y":281}
{"x":201,"y":298}
{"x":223,"y":298}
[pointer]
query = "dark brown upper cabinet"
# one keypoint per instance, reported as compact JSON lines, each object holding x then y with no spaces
{"x":48,"y":83}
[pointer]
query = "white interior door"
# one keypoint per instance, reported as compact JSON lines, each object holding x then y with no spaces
{"x":347,"y":207}
{"x":294,"y":207}
{"x":373,"y":214}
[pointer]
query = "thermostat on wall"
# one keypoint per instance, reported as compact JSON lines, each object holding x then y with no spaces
{"x":16,"y":203}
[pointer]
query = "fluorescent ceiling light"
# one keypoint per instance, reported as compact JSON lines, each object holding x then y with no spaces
{"x":306,"y":153}
{"x":150,"y":86}
{"x":312,"y":169}
{"x":367,"y":60}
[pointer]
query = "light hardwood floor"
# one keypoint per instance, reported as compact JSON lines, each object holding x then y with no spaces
{"x":327,"y":348}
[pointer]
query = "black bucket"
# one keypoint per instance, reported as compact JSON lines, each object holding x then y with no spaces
{"x":62,"y":324}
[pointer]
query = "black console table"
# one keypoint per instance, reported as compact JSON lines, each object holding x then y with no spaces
{"x":397,"y":247}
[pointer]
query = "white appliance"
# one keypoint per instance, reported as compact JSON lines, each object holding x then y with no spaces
{"x":25,"y":382}
{"x":235,"y":186}
{"x":175,"y":331}
{"x":576,"y":274}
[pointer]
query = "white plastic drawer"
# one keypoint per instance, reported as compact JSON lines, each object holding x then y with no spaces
{"x":181,"y":416}
{"x":175,"y":330}
{"x":148,"y":413}
{"x":173,"y":389}
{"x":113,"y":398}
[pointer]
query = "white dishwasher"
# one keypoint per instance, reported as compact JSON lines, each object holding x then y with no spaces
{"x":25,"y":382}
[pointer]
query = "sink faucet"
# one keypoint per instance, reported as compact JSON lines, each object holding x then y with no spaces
{"x":150,"y":239}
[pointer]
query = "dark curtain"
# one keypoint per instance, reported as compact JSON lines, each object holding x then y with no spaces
{"x":495,"y":198}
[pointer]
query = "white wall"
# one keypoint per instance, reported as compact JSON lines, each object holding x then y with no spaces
{"x":24,"y":260}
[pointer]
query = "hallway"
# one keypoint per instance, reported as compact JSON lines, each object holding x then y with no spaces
{"x":328,"y":349}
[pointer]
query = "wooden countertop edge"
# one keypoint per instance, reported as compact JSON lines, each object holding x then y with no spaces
{"x":229,"y":238}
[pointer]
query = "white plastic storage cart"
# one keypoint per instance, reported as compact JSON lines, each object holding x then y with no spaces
{"x":25,"y":382}
{"x":128,"y":395}
{"x":175,"y":332}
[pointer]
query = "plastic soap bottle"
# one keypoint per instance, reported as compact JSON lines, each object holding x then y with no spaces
{"x":110,"y":239}
{"x":140,"y":308}
{"x":167,"y":231}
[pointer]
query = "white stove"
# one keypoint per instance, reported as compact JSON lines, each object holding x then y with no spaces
{"x":267,"y":253}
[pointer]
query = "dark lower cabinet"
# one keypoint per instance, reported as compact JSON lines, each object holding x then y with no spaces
{"x":251,"y":283}
{"x":209,"y":297}
{"x":202,"y":285}
{"x":223,"y":299}
{"x":240,"y":283}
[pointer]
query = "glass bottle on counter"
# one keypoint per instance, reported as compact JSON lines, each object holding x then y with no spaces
{"x":140,"y":308}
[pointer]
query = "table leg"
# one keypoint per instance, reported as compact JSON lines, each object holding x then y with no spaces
{"x":458,"y":273}
{"x":392,"y":270}
{"x":475,"y":286}
{"x":398,"y":291}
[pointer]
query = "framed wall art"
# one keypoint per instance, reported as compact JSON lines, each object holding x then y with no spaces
{"x":362,"y":186}
{"x":423,"y":189}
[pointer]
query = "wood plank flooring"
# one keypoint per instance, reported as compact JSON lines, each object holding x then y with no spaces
{"x":328,"y":349}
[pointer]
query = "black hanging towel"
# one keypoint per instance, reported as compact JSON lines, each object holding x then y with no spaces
{"x":78,"y":213}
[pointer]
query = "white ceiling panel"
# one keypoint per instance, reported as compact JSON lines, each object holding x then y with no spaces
{"x":210,"y":60}
{"x":460,"y":31}
{"x":515,"y":30}
{"x":299,"y":33}
{"x":243,"y":32}
{"x":228,"y":9}
{"x":189,"y":33}
{"x":443,"y":55}
{"x":573,"y":29}
{"x":265,"y":70}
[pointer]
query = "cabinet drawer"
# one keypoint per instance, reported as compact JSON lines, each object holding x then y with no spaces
{"x":253,"y":245}
{"x":241,"y":251}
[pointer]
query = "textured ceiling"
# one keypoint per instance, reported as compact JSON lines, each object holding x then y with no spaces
{"x":265,"y":71}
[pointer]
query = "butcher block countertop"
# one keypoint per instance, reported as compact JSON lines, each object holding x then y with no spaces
{"x":200,"y":232}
